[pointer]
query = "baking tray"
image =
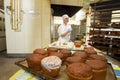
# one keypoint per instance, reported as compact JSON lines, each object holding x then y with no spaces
{"x":81,"y":48}
{"x":62,"y":75}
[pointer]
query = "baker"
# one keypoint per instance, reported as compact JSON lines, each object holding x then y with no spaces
{"x":64,"y":30}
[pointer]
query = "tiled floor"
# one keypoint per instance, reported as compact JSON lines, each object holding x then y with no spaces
{"x":7,"y":66}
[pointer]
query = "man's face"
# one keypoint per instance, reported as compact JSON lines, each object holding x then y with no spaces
{"x":66,"y":20}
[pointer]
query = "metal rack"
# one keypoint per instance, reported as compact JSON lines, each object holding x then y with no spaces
{"x":105,"y":34}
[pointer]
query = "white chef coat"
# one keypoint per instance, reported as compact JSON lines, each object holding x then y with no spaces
{"x":62,"y":29}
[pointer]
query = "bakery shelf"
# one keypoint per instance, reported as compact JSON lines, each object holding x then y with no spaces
{"x":105,"y":10}
{"x":106,"y":4}
{"x":99,"y":27}
{"x":99,"y":14}
{"x":102,"y":48}
{"x":106,"y":19}
{"x":115,"y":41}
{"x":118,"y":27}
{"x":102,"y":43}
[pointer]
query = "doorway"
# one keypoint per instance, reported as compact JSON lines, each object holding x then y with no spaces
{"x":2,"y":27}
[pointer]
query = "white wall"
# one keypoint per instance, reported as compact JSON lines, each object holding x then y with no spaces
{"x":35,"y":28}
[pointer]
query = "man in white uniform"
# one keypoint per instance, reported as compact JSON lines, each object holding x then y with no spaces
{"x":64,"y":30}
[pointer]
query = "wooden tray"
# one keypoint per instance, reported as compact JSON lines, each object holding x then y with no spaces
{"x":62,"y":75}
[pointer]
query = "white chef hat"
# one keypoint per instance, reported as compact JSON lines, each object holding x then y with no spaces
{"x":65,"y":16}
